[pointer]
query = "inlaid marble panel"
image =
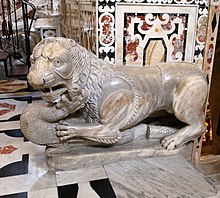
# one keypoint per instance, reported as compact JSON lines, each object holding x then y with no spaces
{"x":10,"y":125}
{"x":11,"y":107}
{"x":149,"y":34}
{"x":130,"y":30}
{"x":25,"y":168}
{"x":47,"y":32}
{"x":212,"y":33}
{"x":7,"y":86}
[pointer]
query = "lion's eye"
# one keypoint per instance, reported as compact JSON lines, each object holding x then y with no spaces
{"x":58,"y":62}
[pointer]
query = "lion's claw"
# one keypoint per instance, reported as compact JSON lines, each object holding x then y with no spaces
{"x":64,"y":132}
{"x":171,"y":142}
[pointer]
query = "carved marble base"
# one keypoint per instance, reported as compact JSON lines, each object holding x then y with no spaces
{"x":90,"y":156}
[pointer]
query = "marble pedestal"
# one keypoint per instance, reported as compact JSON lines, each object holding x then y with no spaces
{"x":84,"y":156}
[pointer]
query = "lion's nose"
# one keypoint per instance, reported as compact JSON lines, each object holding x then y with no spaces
{"x":35,"y":80}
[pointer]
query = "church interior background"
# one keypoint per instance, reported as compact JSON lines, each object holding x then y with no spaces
{"x":128,"y":32}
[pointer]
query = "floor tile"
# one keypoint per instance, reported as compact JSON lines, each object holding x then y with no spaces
{"x":92,"y":189}
{"x":157,"y":177}
{"x":28,"y":182}
{"x":85,"y":190}
{"x":9,"y":125}
{"x":103,"y":188}
{"x":70,"y":190}
{"x":25,"y":168}
{"x":12,"y":85}
{"x":16,"y":195}
{"x":44,"y":193}
{"x":10,"y":108}
{"x":80,"y":175}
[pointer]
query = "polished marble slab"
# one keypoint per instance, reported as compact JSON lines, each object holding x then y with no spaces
{"x":25,"y":168}
{"x":160,"y":177}
{"x":44,"y":193}
{"x":10,"y":125}
{"x":85,"y":156}
{"x":80,"y":175}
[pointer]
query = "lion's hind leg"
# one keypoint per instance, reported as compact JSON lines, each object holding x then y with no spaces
{"x":189,"y":101}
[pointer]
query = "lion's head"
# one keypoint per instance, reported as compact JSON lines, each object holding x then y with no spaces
{"x":57,"y":63}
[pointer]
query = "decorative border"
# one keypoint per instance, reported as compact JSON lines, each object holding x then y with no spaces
{"x":106,"y":24}
{"x":212,"y":31}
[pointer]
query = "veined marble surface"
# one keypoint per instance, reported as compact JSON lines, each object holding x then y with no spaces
{"x":84,"y":156}
{"x":80,"y":175}
{"x":24,"y":173}
{"x":160,"y":177}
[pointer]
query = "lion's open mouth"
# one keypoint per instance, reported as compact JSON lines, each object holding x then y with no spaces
{"x":53,"y":94}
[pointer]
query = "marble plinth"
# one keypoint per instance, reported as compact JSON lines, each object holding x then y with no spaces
{"x":89,"y":156}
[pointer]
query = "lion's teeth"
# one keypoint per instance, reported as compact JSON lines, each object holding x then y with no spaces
{"x":57,"y":100}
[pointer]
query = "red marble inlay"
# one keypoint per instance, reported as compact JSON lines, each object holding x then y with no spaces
{"x":7,"y":149}
{"x":210,"y":53}
{"x":178,"y":45}
{"x":106,"y":36}
{"x":131,"y":49}
{"x":11,"y":85}
{"x":8,"y":108}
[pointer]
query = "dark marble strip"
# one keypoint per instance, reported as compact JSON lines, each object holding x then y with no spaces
{"x":13,"y":133}
{"x":19,"y":98}
{"x":16,"y":168}
{"x":103,"y":188}
{"x":17,"y":195}
{"x":68,"y":191}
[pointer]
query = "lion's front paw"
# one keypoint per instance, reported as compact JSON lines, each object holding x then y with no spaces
{"x":64,"y":132}
{"x":171,"y":142}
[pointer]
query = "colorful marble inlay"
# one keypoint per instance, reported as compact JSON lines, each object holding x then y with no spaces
{"x":7,"y":86}
{"x":209,"y":51}
{"x":7,"y":149}
{"x":6,"y":108}
{"x":169,"y":31}
{"x":10,"y":108}
{"x":127,"y":30}
{"x":49,"y":32}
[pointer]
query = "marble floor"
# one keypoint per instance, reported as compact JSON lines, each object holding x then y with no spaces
{"x":24,"y":172}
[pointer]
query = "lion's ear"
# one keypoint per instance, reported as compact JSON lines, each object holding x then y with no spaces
{"x":72,"y":42}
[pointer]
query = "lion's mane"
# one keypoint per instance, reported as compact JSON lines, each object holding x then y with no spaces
{"x":90,"y":73}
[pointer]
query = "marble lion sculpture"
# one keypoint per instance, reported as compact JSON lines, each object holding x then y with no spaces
{"x":112,"y":99}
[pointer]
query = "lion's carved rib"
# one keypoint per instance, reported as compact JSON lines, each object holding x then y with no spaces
{"x":136,"y":101}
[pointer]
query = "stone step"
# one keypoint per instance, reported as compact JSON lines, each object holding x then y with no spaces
{"x":214,"y":180}
{"x":161,"y":177}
